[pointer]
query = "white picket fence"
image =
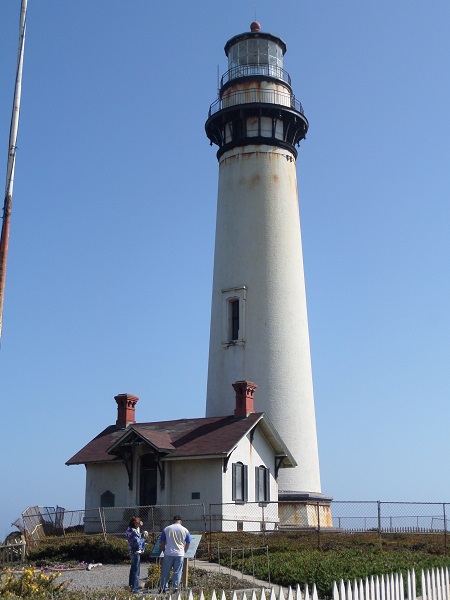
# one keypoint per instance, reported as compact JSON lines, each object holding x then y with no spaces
{"x":263,"y":594}
{"x":435,"y":586}
{"x":260,"y":594}
{"x":267,"y":594}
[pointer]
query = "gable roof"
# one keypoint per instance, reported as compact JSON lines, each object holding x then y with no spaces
{"x":183,"y":438}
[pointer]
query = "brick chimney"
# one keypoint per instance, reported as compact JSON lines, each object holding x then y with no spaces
{"x":244,"y":398}
{"x":125,"y":409}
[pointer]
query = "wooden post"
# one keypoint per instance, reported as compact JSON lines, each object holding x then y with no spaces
{"x":184,"y":575}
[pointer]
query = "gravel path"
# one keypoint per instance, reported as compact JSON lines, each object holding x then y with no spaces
{"x":115,"y":577}
{"x":102,"y":577}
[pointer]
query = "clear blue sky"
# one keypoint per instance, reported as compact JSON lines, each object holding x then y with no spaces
{"x":111,"y":248}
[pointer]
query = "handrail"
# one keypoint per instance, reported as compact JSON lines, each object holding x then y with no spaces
{"x":254,"y":69}
{"x":255,"y":96}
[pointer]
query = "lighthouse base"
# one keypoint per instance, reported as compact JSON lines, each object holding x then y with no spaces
{"x":299,"y":510}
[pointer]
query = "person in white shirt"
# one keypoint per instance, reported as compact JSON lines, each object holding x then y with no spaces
{"x":175,"y":541}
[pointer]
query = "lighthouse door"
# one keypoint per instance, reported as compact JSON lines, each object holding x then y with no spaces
{"x":148,"y":476}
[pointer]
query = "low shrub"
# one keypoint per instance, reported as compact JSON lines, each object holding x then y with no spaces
{"x":86,"y":549}
{"x":153,"y":575}
{"x":29,"y":583}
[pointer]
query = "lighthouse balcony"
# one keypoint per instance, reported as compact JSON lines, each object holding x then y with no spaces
{"x":270,"y":122}
{"x":256,"y":95}
{"x":255,"y":70}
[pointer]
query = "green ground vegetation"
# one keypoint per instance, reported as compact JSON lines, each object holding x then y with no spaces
{"x":292,"y":557}
{"x":283,"y":558}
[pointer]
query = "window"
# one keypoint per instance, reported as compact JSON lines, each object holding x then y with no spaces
{"x":148,"y":477}
{"x":234,"y":319}
{"x":255,"y":52}
{"x":195,"y":496}
{"x":234,"y":316}
{"x":262,"y":484}
{"x":107,"y":499}
{"x":240,"y":482}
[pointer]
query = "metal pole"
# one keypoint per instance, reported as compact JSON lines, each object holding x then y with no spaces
{"x":205,"y":522}
{"x":318,"y":525}
{"x":231,"y":563}
{"x":379,"y":523}
{"x":7,"y":205}
{"x":101,"y":513}
{"x":445,"y":530}
{"x":210,"y":533}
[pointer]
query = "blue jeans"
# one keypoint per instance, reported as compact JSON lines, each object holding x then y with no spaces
{"x":135,"y":570}
{"x":168,"y":562}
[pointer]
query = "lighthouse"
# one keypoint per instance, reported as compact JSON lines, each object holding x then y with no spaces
{"x":259,"y":324}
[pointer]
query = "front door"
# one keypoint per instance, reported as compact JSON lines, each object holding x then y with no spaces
{"x":148,"y":477}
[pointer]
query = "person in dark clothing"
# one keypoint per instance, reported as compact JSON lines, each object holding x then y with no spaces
{"x":136,"y":541}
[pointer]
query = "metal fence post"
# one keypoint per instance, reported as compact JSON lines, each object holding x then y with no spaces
{"x":445,"y":530}
{"x":101,"y":515}
{"x":379,"y":524}
{"x":210,"y":533}
{"x":318,"y":525}
{"x":205,"y":522}
{"x":263,"y":521}
{"x":153,"y":522}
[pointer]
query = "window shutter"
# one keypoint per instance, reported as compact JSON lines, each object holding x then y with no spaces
{"x":233,"y":479}
{"x":245,"y":483}
{"x":267,"y":485}
{"x":256,"y":483}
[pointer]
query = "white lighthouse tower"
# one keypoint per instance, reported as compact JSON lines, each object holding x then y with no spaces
{"x":259,"y":324}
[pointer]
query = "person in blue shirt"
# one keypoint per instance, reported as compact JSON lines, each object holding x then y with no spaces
{"x":136,"y":541}
{"x":175,"y":541}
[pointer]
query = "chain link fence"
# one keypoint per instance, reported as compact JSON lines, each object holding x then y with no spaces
{"x":320,"y":518}
{"x":269,"y":516}
{"x":39,"y":522}
{"x":115,"y":520}
{"x":390,"y":517}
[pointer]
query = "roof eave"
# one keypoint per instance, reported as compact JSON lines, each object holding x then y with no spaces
{"x":281,"y":450}
{"x":195,"y":457}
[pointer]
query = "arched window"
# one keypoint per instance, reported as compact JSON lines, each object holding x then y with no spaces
{"x":107,"y":499}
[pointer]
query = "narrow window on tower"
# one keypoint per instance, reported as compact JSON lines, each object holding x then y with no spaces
{"x":234,"y":319}
{"x":234,"y":316}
